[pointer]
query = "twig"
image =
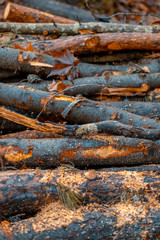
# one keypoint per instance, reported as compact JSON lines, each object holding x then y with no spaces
{"x":87,"y":5}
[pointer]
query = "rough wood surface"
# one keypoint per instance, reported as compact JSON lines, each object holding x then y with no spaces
{"x":90,"y":151}
{"x":18,"y":13}
{"x":130,"y":207}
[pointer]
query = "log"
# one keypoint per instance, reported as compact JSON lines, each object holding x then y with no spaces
{"x":118,"y":56}
{"x":89,"y":70}
{"x":122,"y":81}
{"x":6,"y":126}
{"x":130,"y":208}
{"x":9,"y":61}
{"x":18,"y":13}
{"x":30,"y":134}
{"x":89,"y":151}
{"x":28,"y":25}
{"x":74,"y":109}
{"x":63,"y":10}
{"x":109,"y":127}
{"x":148,"y":109}
{"x":102,"y":42}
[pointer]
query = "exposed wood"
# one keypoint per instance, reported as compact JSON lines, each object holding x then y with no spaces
{"x":90,"y":151}
{"x":102,"y":42}
{"x":75,"y":109}
{"x":28,"y":25}
{"x":18,"y":13}
{"x":130,"y":208}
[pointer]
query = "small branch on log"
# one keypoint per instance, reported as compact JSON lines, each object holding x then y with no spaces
{"x":87,"y":152}
{"x":85,"y":111}
{"x":18,"y":13}
{"x":114,"y":187}
{"x":28,"y":25}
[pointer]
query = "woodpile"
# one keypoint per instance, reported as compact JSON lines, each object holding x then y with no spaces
{"x":80,"y":125}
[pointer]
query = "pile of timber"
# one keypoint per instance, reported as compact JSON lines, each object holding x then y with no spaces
{"x":101,"y":116}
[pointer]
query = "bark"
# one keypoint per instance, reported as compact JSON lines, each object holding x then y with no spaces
{"x":148,"y":109}
{"x":90,"y":89}
{"x":130,"y":209}
{"x":9,"y":61}
{"x":122,"y":81}
{"x":6,"y":74}
{"x":30,"y":134}
{"x":109,"y":127}
{"x":43,"y":86}
{"x":74,"y":109}
{"x":89,"y":70}
{"x":118,"y":56}
{"x":6,"y":125}
{"x":90,"y":151}
{"x":60,"y":29}
{"x":62,"y":9}
{"x":102,"y":42}
{"x":18,"y":13}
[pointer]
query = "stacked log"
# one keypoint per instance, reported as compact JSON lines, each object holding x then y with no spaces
{"x":80,"y":139}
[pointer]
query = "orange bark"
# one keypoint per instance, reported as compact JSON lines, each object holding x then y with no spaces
{"x":102,"y":42}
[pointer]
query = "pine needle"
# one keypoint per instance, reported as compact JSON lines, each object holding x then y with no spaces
{"x":68,"y":197}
